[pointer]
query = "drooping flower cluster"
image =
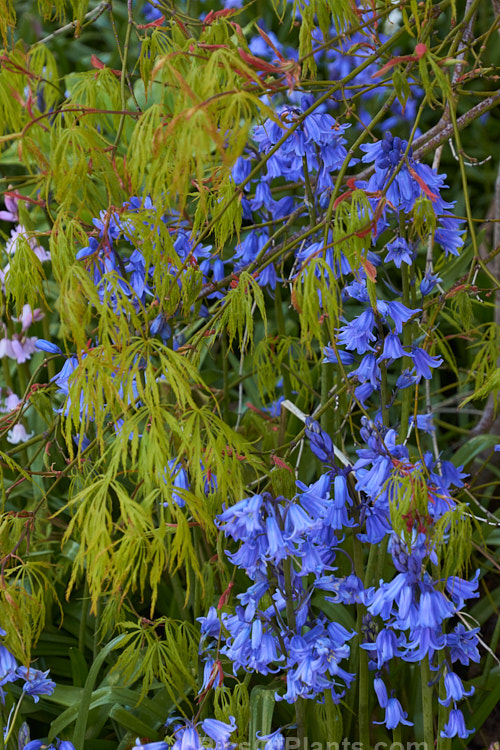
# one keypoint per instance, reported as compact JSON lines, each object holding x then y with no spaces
{"x":288,"y":549}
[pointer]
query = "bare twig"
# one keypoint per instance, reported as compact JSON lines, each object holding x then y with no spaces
{"x":91,"y":16}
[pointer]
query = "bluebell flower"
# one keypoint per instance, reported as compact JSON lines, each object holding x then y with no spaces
{"x":219,"y":731}
{"x":429,"y":281}
{"x":380,"y":692}
{"x":388,"y":154}
{"x":187,"y":738}
{"x":297,"y":522}
{"x":406,"y":380}
{"x":397,"y":311}
{"x":423,"y":362}
{"x":386,"y":646}
{"x":455,"y":726}
{"x":392,"y":348}
{"x":460,"y":589}
{"x":91,"y":249}
{"x":8,"y":666}
{"x":331,"y":356}
{"x":277,"y":548}
{"x":424,"y":422}
{"x":348,"y":590}
{"x":241,"y":169}
{"x":244,"y":519}
{"x":320,"y":442}
{"x":109,"y":225}
{"x":368,"y":371}
{"x":36,"y":682}
{"x":451,"y":474}
{"x":47,"y":346}
{"x":363,"y":392}
{"x":177,"y":476}
{"x":463,"y":645}
{"x":212,"y":675}
{"x":315,"y":497}
{"x":151,"y":11}
{"x":267,"y":276}
{"x":400,"y":252}
{"x":455,"y":690}
{"x":394,"y":715}
{"x":138,"y":745}
{"x":318,"y":139}
{"x":251,"y":646}
{"x":434,"y":607}
{"x":358,"y":333}
{"x":337,"y":515}
{"x":425,"y":641}
{"x":263,"y":198}
{"x":450,"y":234}
{"x":249,"y":248}
{"x":274,"y":741}
{"x":210,"y":625}
{"x":356,"y":290}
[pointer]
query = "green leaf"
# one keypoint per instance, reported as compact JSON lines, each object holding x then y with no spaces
{"x":86,"y":696}
{"x":262,"y":702}
{"x":472,"y":448}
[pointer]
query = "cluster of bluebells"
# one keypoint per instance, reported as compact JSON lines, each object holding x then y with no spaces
{"x":198,"y":735}
{"x":374,"y":337}
{"x":116,"y":261}
{"x":409,"y":617}
{"x":289,"y":549}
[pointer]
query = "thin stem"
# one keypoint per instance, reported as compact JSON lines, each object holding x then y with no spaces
{"x":292,"y":624}
{"x":225,"y":378}
{"x":425,"y":676}
{"x":278,"y":306}
{"x":406,"y":361}
{"x":91,"y":16}
{"x":309,"y":193}
{"x":123,"y":78}
{"x":13,"y":720}
{"x":364,"y":685}
{"x":443,"y":743}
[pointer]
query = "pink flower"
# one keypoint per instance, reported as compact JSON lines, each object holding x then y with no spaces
{"x":18,"y":434}
{"x":6,"y":349}
{"x":12,"y":401}
{"x":29,"y":316}
{"x":11,"y":214}
{"x":20,"y":231}
{"x":22,"y":349}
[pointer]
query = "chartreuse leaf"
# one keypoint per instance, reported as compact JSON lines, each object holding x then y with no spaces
{"x":239,"y":311}
{"x":490,"y":385}
{"x":24,"y":280}
{"x":170,"y":658}
{"x":316,"y":290}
